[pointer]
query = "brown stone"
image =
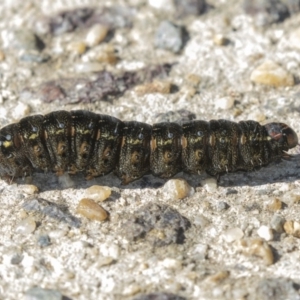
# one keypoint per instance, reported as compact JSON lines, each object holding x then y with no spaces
{"x":91,"y":210}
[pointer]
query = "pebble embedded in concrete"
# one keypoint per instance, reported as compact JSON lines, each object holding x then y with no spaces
{"x":87,"y":67}
{"x":218,"y":277}
{"x":232,"y":234}
{"x":265,"y":233}
{"x":169,"y":37}
{"x":77,"y":47}
{"x":292,"y":228}
{"x":258,"y":247}
{"x":21,"y":110}
{"x":275,"y":205}
{"x":131,"y":290}
{"x":26,"y":226}
{"x":210,"y":184}
{"x":38,"y":293}
{"x":272,"y":74}
{"x":91,"y":210}
{"x":220,"y":40}
{"x":96,"y":35}
{"x":177,"y":189}
{"x":294,"y":39}
{"x":97,"y":193}
{"x":43,"y":240}
{"x":161,"y":87}
{"x":277,"y":223}
{"x":2,"y":56}
{"x":224,"y":103}
{"x":166,"y":5}
{"x":29,"y":189}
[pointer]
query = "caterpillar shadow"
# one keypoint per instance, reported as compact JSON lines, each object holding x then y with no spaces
{"x":281,"y":171}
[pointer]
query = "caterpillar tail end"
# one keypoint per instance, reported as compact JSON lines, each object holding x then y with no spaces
{"x":283,"y":134}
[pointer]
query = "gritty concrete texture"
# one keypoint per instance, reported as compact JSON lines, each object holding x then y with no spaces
{"x":43,"y":252}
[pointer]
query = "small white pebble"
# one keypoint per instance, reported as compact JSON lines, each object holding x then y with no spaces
{"x":57,"y":234}
{"x":114,"y":251}
{"x":166,"y":5}
{"x":210,"y":184}
{"x":233,"y":234}
{"x":285,"y":187}
{"x":29,"y":189}
{"x":26,"y":226}
{"x":96,"y":35}
{"x":257,"y":116}
{"x":131,"y":290}
{"x":108,"y":250}
{"x":201,"y":249}
{"x":265,"y":232}
{"x":294,"y":39}
{"x":201,"y":221}
{"x":76,"y":47}
{"x":224,"y":103}
{"x":88,"y":67}
{"x":104,"y":261}
{"x":178,"y":189}
{"x":171,"y":263}
{"x":21,"y":110}
{"x":219,"y":39}
{"x":23,"y":214}
{"x":270,"y":73}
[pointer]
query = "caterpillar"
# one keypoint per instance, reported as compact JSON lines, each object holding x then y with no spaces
{"x":96,"y":144}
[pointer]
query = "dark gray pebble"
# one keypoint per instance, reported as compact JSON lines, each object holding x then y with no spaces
{"x":43,"y":240}
{"x":231,"y":192}
{"x":34,"y":57}
{"x":37,"y":293}
{"x":159,"y":296}
{"x":277,"y":223}
{"x":159,"y":224}
{"x":68,"y":21}
{"x":16,"y":259}
{"x":265,"y":12}
{"x":190,"y":7}
{"x":275,"y":289}
{"x":169,"y":37}
{"x":51,"y":210}
{"x":104,"y":87}
{"x":221,"y":206}
{"x":24,"y":39}
{"x":293,"y":6}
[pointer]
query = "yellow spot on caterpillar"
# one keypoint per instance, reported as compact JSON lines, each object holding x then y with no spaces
{"x":33,"y":136}
{"x":161,"y":142}
{"x":212,"y":140}
{"x":134,"y":141}
{"x":243,"y":139}
{"x":98,"y":135}
{"x":59,"y":131}
{"x":184,"y":142}
{"x":72,"y":131}
{"x":153,"y":144}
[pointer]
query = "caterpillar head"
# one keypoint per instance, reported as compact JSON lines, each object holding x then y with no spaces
{"x":283,"y":134}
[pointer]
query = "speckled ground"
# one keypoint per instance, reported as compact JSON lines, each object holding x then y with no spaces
{"x":96,"y":260}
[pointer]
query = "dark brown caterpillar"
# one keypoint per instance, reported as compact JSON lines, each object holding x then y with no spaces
{"x":82,"y":141}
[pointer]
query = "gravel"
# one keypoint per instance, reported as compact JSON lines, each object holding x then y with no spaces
{"x":152,"y":245}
